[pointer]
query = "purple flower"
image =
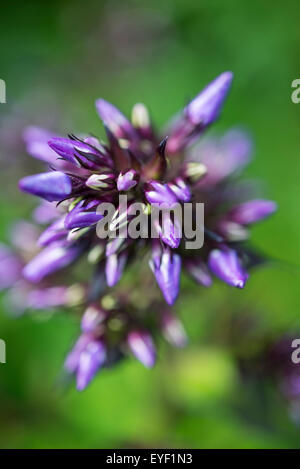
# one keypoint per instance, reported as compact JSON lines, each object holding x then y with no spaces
{"x":166,"y":267}
{"x":226,"y":265}
{"x":127,"y":180}
{"x":252,"y":211}
{"x":86,"y":358}
{"x":93,"y":316}
{"x":158,"y":174}
{"x":51,"y":259}
{"x":173,"y":329}
{"x":199,"y":113}
{"x":50,"y":186}
{"x":79,"y":153}
{"x":197,"y":268}
{"x":83,"y":215}
{"x":114,"y":267}
{"x":158,"y":193}
{"x":142,"y":347}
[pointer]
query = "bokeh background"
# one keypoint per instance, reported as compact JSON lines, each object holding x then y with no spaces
{"x":56,"y":58}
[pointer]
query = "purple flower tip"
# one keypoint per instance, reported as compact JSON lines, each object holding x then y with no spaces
{"x":252,"y":211}
{"x":117,"y":123}
{"x":205,"y":108}
{"x":142,"y":347}
{"x":51,"y":186}
{"x":166,"y":267}
{"x":226,"y":265}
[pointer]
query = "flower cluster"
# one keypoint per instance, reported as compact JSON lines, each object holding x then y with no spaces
{"x":151,"y":169}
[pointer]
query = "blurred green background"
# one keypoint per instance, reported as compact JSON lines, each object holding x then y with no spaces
{"x":57,"y":58}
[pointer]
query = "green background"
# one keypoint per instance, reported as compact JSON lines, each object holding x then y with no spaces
{"x":56,"y":59}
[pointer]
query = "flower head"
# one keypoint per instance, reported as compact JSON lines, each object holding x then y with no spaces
{"x":155,"y":170}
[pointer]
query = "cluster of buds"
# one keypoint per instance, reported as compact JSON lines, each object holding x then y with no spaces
{"x":150,"y":169}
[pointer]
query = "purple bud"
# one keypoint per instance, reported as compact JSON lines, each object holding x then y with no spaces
{"x":173,"y":330}
{"x":116,"y":122}
{"x":91,"y":359}
{"x":53,"y":233}
{"x":226,"y":265}
{"x":79,"y":153}
{"x":198,"y":270}
{"x":82,"y":215}
{"x":85,"y":359}
{"x":93,"y":316}
{"x":252,"y":211}
{"x":46,"y":298}
{"x":199,"y":113}
{"x":114,"y":267}
{"x":166,"y":267}
{"x":181,"y":189}
{"x":142,"y":347}
{"x":50,"y":186}
{"x":169,"y":231}
{"x":127,"y":180}
{"x":113,"y":245}
{"x":48,"y":261}
{"x":206,"y":107}
{"x":158,"y":193}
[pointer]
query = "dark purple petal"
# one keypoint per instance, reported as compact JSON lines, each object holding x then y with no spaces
{"x":79,"y":153}
{"x":226,"y":265}
{"x":166,"y":267}
{"x":48,"y":261}
{"x":82,"y":215}
{"x":50,"y":186}
{"x":142,"y":347}
{"x":252,"y":211}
